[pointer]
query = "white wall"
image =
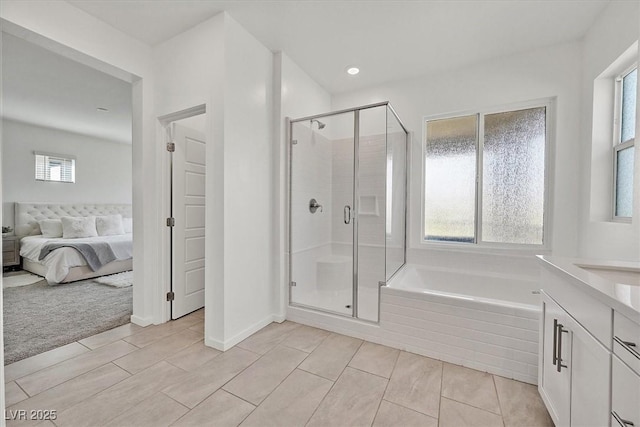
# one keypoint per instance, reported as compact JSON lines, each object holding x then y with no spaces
{"x":615,"y":30}
{"x":103,"y":168}
{"x":543,"y":73}
{"x":296,"y":95}
{"x":249,"y":193}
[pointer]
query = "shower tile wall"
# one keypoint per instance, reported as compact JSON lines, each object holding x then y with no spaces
{"x":312,"y":175}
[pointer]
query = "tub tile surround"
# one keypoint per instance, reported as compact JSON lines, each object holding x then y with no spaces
{"x":295,"y":375}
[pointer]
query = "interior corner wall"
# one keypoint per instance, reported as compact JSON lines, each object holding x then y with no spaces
{"x":614,"y":31}
{"x":218,"y":63}
{"x":296,"y":95}
{"x":249,"y":196}
{"x":75,"y":34}
{"x":103,"y":168}
{"x":542,"y":73}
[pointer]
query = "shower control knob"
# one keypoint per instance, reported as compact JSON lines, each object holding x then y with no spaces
{"x":314,"y":206}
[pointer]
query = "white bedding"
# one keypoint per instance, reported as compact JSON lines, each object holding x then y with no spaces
{"x":61,"y":260}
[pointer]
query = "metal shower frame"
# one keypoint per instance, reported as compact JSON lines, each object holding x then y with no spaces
{"x":356,"y":138}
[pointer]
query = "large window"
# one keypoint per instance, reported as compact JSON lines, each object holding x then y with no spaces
{"x":55,"y":167}
{"x":485,"y":177}
{"x":623,"y":144}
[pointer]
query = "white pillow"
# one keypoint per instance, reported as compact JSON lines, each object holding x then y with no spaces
{"x":109,"y":225}
{"x":50,"y":227}
{"x":128,"y":225}
{"x":76,"y":227}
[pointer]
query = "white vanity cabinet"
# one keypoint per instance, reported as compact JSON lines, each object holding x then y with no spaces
{"x":589,"y":361}
{"x":625,"y":395}
{"x":625,"y":372}
{"x":574,"y":372}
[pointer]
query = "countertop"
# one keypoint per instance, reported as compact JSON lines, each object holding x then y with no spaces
{"x":620,"y":293}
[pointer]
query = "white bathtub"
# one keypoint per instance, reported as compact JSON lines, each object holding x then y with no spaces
{"x":480,"y":321}
{"x":488,"y":289}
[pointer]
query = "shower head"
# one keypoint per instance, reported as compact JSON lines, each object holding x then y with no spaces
{"x":320,"y":124}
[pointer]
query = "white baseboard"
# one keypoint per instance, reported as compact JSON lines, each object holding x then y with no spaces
{"x":140,"y":321}
{"x":210,"y":342}
{"x":227,"y":344}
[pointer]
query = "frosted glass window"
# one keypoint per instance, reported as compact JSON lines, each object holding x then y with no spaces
{"x":629,"y":94}
{"x":513,"y":176}
{"x":624,"y":182}
{"x":450,"y":179}
{"x":485,"y":178}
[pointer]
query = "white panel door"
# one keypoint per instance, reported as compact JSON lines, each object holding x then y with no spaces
{"x":189,"y":213}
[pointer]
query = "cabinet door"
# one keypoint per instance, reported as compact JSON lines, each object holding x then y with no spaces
{"x":590,"y":378}
{"x":554,"y":385}
{"x":625,"y":396}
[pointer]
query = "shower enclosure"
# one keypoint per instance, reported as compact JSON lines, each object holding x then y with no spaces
{"x":347,"y":208}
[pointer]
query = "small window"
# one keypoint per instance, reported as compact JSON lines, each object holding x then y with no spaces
{"x":485,"y":178}
{"x":55,"y":167}
{"x":623,"y":144}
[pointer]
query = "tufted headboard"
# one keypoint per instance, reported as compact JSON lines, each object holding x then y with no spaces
{"x":28,"y":214}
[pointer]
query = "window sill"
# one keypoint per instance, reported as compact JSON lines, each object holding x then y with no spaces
{"x":622,"y":220}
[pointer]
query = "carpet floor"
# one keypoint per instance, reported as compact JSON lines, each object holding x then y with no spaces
{"x":40,"y":317}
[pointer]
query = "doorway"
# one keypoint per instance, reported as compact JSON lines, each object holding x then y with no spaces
{"x":186,"y":150}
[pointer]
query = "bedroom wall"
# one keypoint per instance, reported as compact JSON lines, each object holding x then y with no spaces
{"x":543,"y":73}
{"x":103,"y":168}
{"x":67,"y":30}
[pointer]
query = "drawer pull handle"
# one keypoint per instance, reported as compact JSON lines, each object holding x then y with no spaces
{"x":629,"y":346}
{"x":560,"y":332}
{"x":621,"y":421}
{"x":555,"y":341}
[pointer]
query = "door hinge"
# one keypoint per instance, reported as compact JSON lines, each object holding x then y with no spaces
{"x":171,"y":296}
{"x":294,"y":141}
{"x":171,"y":147}
{"x":292,"y":283}
{"x":171,"y":222}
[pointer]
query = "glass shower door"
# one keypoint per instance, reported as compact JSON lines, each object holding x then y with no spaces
{"x":322,"y":214}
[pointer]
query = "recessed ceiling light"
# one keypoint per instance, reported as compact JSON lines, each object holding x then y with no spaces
{"x":353,"y":70}
{"x":102,"y":109}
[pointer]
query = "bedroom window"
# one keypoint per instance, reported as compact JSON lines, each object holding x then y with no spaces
{"x":55,"y":167}
{"x":623,"y":143}
{"x":485,"y":177}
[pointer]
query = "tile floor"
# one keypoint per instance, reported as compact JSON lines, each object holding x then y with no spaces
{"x":284,"y":375}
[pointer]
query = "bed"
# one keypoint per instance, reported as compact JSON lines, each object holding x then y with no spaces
{"x":66,"y":264}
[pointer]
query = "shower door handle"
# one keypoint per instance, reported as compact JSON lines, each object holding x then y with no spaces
{"x":347,"y":214}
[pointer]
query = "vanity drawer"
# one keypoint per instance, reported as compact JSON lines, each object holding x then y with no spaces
{"x":592,"y":314}
{"x":625,"y":395}
{"x":626,"y":341}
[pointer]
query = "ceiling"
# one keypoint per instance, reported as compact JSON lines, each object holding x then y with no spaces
{"x":42,"y":88}
{"x":388,"y":39}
